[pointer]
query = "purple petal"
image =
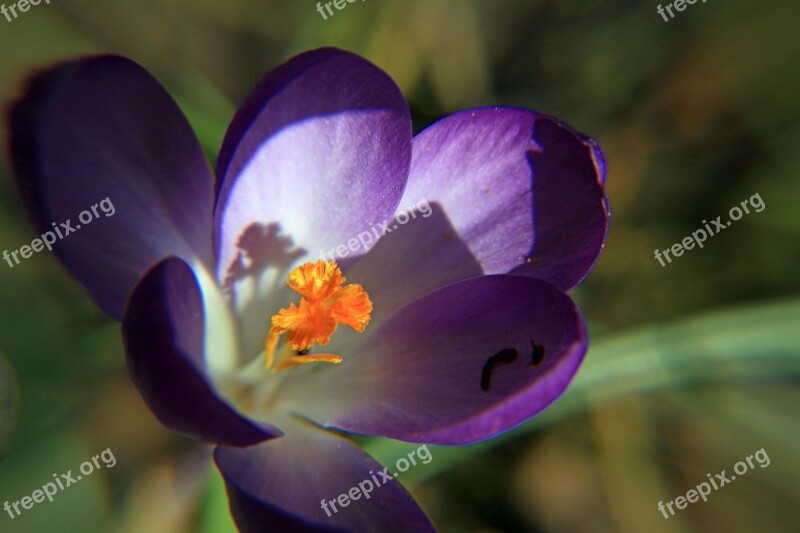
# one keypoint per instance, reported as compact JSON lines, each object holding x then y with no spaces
{"x":411,"y":260}
{"x":422,"y":376}
{"x":523,"y":190}
{"x":279,"y":485}
{"x":322,"y":146}
{"x":102,"y":127}
{"x":163,"y":331}
{"x":599,"y":158}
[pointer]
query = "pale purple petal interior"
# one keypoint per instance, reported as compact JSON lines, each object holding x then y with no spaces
{"x":523,"y":191}
{"x":321,"y":146}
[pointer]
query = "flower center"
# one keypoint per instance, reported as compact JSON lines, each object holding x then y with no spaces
{"x":326,"y":302}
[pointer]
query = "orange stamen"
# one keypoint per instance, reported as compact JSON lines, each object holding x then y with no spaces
{"x":297,"y":360}
{"x":325,"y":304}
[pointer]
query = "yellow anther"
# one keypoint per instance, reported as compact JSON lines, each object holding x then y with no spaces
{"x":325,"y":304}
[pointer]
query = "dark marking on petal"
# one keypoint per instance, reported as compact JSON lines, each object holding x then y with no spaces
{"x":302,"y":352}
{"x":506,"y":355}
{"x":538,"y":353}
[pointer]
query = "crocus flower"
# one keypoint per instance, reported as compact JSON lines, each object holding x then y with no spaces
{"x":450,"y":328}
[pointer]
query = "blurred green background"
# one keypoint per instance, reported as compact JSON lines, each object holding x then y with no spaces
{"x":693,"y":366}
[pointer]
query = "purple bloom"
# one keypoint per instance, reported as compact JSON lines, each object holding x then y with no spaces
{"x":470,"y":332}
